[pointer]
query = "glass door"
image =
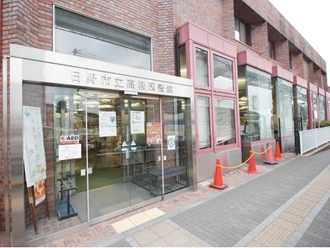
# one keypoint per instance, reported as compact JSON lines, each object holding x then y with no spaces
{"x":70,"y":170}
{"x":117,"y":150}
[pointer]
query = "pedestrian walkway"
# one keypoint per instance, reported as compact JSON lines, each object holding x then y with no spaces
{"x":285,"y":205}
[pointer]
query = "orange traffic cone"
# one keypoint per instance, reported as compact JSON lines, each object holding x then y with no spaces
{"x":270,"y":157}
{"x":278,"y":155}
{"x":218,"y":182}
{"x":252,"y":165}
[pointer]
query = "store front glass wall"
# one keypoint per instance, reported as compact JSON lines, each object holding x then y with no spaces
{"x":282,"y":107}
{"x":301,"y":107}
{"x":105,"y":152}
{"x":255,"y":103}
{"x":322,"y":107}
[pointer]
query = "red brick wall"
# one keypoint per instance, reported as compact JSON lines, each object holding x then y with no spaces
{"x":282,"y":53}
{"x":259,"y":38}
{"x":267,"y":11}
{"x":297,"y":61}
{"x":317,"y":77}
{"x":228,"y":20}
{"x":207,"y":13}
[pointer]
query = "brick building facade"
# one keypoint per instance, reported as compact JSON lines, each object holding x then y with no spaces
{"x":270,"y":47}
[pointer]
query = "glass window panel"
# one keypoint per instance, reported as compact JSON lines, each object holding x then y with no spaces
{"x":315,"y":118}
{"x":87,"y":47}
{"x":242,"y":32}
{"x":82,"y":36}
{"x":83,"y":25}
{"x":322,"y":107}
{"x":202,"y":68}
{"x":237,"y":28}
{"x":225,"y":121}
{"x":302,"y":106}
{"x":204,"y":133}
{"x":284,"y":109}
{"x":183,"y":62}
{"x":256,"y":115}
{"x":223,"y":73}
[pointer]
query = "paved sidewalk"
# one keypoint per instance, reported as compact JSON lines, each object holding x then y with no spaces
{"x":285,"y":205}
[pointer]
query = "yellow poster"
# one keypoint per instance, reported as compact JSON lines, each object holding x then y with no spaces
{"x":39,"y":191}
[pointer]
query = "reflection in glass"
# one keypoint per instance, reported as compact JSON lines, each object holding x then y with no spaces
{"x":88,"y":47}
{"x":203,"y":112}
{"x":225,"y":121}
{"x":59,"y":109}
{"x":282,"y":107}
{"x":315,"y":118}
{"x":202,"y":76}
{"x":175,"y":146}
{"x":322,"y":107}
{"x":255,"y":101}
{"x":183,"y":62}
{"x":223,"y":73}
{"x":301,"y":109}
{"x":85,"y":37}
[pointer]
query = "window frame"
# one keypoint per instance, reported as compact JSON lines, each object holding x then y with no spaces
{"x":211,"y":148}
{"x":236,"y":114}
{"x":197,"y":86}
{"x":212,"y":93}
{"x":239,"y":31}
{"x":271,"y":49}
{"x":234,"y":72}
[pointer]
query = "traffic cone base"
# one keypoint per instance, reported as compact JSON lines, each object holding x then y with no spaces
{"x":278,"y":155}
{"x":218,"y":187}
{"x":270,"y":158}
{"x":218,"y":182}
{"x":252,"y":169}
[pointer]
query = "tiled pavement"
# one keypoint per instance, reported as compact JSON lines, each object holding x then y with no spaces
{"x":286,"y":205}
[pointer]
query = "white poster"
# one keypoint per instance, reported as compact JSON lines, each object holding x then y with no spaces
{"x":137,"y":122}
{"x":170,"y":142}
{"x":33,"y":143}
{"x":107,"y":123}
{"x":72,"y":151}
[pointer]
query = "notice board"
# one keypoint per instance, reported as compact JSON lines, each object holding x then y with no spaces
{"x":33,"y":146}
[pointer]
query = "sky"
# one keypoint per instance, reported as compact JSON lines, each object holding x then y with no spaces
{"x":311,"y":19}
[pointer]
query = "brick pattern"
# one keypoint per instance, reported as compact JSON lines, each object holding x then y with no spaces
{"x":282,"y":53}
{"x":207,"y":13}
{"x":259,"y":38}
{"x":267,"y":11}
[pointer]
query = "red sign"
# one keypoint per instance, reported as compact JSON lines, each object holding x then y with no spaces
{"x":154,"y":133}
{"x":69,"y":139}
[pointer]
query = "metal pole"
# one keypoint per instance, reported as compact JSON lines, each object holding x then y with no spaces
{"x":5,"y":145}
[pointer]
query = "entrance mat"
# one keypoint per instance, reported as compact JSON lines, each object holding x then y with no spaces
{"x":120,"y":205}
{"x":100,"y":177}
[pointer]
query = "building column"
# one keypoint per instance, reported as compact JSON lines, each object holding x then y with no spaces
{"x":282,"y":53}
{"x":259,"y":38}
